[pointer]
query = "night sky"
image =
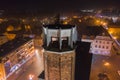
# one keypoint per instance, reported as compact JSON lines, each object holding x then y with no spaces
{"x":56,"y":5}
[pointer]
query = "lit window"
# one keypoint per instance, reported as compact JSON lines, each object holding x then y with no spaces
{"x":54,"y":38}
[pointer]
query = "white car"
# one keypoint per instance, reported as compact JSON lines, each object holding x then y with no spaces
{"x":119,"y":72}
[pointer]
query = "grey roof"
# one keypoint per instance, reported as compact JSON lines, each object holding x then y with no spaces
{"x":93,"y":30}
{"x":12,"y":45}
{"x":57,"y":26}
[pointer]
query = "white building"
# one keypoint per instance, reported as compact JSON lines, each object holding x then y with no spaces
{"x":101,"y":45}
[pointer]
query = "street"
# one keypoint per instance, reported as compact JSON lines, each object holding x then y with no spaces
{"x":103,"y":64}
{"x":34,"y":69}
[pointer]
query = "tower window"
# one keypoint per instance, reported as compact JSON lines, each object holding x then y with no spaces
{"x":54,"y":38}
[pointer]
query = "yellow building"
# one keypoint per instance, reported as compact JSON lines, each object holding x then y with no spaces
{"x":114,"y":31}
{"x":13,"y":55}
{"x":2,"y":71}
{"x":10,"y":36}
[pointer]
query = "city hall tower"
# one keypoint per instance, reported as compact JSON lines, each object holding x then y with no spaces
{"x":59,"y":54}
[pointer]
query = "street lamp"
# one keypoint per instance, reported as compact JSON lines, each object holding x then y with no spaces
{"x":104,"y":24}
{"x":31,"y":77}
{"x":106,"y":64}
{"x":115,"y":38}
{"x":111,"y":32}
{"x":36,"y":51}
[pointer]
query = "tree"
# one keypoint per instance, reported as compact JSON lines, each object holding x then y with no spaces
{"x":103,"y":76}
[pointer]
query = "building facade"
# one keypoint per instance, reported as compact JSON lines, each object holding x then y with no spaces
{"x":13,"y":55}
{"x":102,"y":45}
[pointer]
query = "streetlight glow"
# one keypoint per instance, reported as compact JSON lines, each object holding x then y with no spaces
{"x":106,"y":64}
{"x":31,"y":77}
{"x":36,"y":51}
{"x":115,"y":38}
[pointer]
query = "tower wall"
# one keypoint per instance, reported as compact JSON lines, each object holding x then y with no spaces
{"x":59,"y":65}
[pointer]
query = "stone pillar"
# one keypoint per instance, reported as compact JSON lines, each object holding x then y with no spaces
{"x":47,"y":37}
{"x":60,"y":39}
{"x":71,"y":42}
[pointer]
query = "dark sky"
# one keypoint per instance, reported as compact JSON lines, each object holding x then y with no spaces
{"x":56,"y":5}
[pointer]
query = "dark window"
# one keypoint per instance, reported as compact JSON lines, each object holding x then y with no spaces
{"x":96,"y":46}
{"x":103,"y":47}
{"x":99,"y":46}
{"x":106,"y":47}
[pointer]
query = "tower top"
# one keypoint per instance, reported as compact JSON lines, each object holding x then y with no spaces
{"x":59,"y":37}
{"x":58,"y":26}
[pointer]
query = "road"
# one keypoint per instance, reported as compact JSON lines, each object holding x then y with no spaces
{"x":99,"y":66}
{"x":34,"y":69}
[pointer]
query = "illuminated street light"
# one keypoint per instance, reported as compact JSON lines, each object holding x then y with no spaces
{"x":36,"y":51}
{"x":80,"y":20}
{"x":65,"y":22}
{"x":31,"y":77}
{"x":101,"y":22}
{"x":104,"y":23}
{"x":106,"y":64}
{"x":110,"y":31}
{"x":75,"y":16}
{"x":97,"y":21}
{"x":115,"y":38}
{"x":23,"y":20}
